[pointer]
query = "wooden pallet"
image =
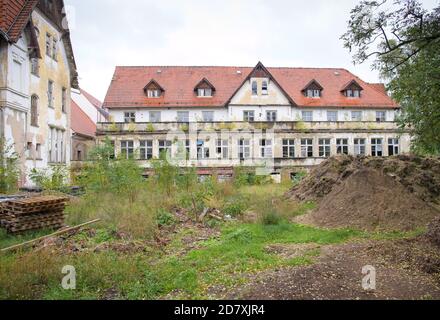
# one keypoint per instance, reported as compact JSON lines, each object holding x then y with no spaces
{"x":12,"y":209}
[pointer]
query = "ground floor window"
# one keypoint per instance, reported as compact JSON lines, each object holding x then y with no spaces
{"x":146,"y":149}
{"x":127,"y":149}
{"x":359,"y":147}
{"x":342,"y":146}
{"x":306,"y":148}
{"x":56,"y":147}
{"x":288,"y":148}
{"x":266,"y":148}
{"x":324,"y":148}
{"x":376,"y":147}
{"x":393,"y":147}
{"x":223,"y":148}
{"x":244,"y":149}
{"x":202,"y":150}
{"x":164,"y":147}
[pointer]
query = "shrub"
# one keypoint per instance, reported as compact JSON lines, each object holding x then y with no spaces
{"x":54,"y":178}
{"x":9,"y":168}
{"x":270,"y":218}
{"x":164,"y":218}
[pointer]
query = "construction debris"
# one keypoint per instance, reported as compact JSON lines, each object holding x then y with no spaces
{"x":35,"y":213}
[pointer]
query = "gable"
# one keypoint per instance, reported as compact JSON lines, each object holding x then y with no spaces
{"x":275,"y":96}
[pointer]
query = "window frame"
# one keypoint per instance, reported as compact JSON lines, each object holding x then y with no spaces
{"x":146,"y":149}
{"x":254,"y":88}
{"x":63,"y":100}
{"x":129,"y":116}
{"x":34,"y":110}
{"x":307,"y":148}
{"x":50,"y":96}
{"x":342,"y":146}
{"x":222,"y":148}
{"x":165,"y":145}
{"x":185,"y":118}
{"x":306,"y":118}
{"x":393,"y":146}
{"x":357,"y":118}
{"x":288,"y":148}
{"x":127,"y":148}
{"x":336,"y":113}
{"x":381,"y":116}
{"x":266,"y":148}
{"x":265,"y":88}
{"x":270,"y":115}
{"x":376,"y":148}
{"x":203,"y":150}
{"x":360,"y":146}
{"x":325,"y":147}
{"x":244,"y":149}
{"x":249,"y":116}
{"x":159,"y":118}
{"x":208,"y":119}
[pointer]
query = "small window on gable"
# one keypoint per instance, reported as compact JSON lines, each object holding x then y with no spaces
{"x":204,"y":89}
{"x":265,"y":88}
{"x":153,"y":90}
{"x":204,"y":92}
{"x":254,"y":88}
{"x":312,"y":90}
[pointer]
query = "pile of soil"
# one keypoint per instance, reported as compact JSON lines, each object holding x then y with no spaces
{"x":399,"y":193}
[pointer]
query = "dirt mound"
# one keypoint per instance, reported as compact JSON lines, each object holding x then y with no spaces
{"x":399,"y":193}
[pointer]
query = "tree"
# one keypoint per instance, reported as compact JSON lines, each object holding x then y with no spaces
{"x":404,"y":39}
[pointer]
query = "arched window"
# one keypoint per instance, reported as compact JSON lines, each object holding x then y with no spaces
{"x":34,"y":110}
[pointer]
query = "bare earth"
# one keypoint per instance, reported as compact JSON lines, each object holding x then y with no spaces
{"x":406,"y":269}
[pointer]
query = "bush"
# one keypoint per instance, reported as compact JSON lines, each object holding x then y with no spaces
{"x":51,"y":179}
{"x":164,"y":218}
{"x":9,"y":168}
{"x":270,"y":218}
{"x":235,"y":206}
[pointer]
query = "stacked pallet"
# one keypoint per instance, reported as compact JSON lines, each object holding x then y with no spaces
{"x":33,"y":213}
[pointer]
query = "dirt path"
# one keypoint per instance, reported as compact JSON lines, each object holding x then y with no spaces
{"x":402,"y":273}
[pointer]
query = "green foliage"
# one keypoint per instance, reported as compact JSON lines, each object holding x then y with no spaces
{"x":235,"y":206}
{"x":9,"y":168}
{"x":54,"y":178}
{"x":164,"y":218}
{"x":406,"y":44}
{"x":244,"y":177}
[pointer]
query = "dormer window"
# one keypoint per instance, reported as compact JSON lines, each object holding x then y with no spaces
{"x":204,"y":89}
{"x":352,"y":90}
{"x":264,"y":88}
{"x":153,"y":90}
{"x":313,"y":89}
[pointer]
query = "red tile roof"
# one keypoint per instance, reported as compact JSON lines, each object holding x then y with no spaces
{"x":14,"y":17}
{"x":80,"y":122}
{"x":126,"y":88}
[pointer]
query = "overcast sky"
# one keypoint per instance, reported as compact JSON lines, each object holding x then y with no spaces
{"x":296,"y":33}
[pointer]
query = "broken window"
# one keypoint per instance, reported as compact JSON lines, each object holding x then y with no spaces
{"x":288,"y":148}
{"x":223,"y":148}
{"x":264,"y":88}
{"x":307,"y":116}
{"x":306,"y":148}
{"x":249,"y":116}
{"x":146,"y":149}
{"x":34,"y":111}
{"x":63,"y":100}
{"x":393,"y":147}
{"x":342,"y":146}
{"x":380,"y":116}
{"x":164,"y":147}
{"x":271,"y":116}
{"x":244,"y":149}
{"x":127,"y":149}
{"x":376,"y":147}
{"x":202,"y":150}
{"x":266,"y":148}
{"x":129,"y":117}
{"x":324,"y":148}
{"x":50,"y":93}
{"x":359,"y":147}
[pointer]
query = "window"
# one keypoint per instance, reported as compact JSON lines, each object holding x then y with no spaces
{"x":223,"y":148}
{"x":164,"y":147}
{"x":356,"y":116}
{"x":306,"y":148}
{"x":156,"y":93}
{"x":376,"y":147}
{"x":29,"y":150}
{"x":307,"y":116}
{"x":208,"y":116}
{"x":332,"y":116}
{"x":38,"y":151}
{"x":50,"y":93}
{"x":187,"y":149}
{"x":56,"y":153}
{"x":324,"y":148}
{"x":34,"y":111}
{"x":264,"y":88}
{"x":244,"y":149}
{"x":127,"y":149}
{"x":271,"y":116}
{"x":182,"y":116}
{"x":254,"y":88}
{"x":393,"y":147}
{"x":146,"y":150}
{"x":342,"y":146}
{"x":129,"y":117}
{"x":353,"y":93}
{"x":380,"y":116}
{"x":17,"y":76}
{"x":35,"y":66}
{"x":359,"y":147}
{"x":313,"y":93}
{"x":63,"y":100}
{"x":266,"y":148}
{"x":112,"y":153}
{"x":202,"y":150}
{"x":204,"y":92}
{"x":155,"y":116}
{"x":54,"y":48}
{"x":48,"y":44}
{"x":249,"y":116}
{"x":288,"y":148}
